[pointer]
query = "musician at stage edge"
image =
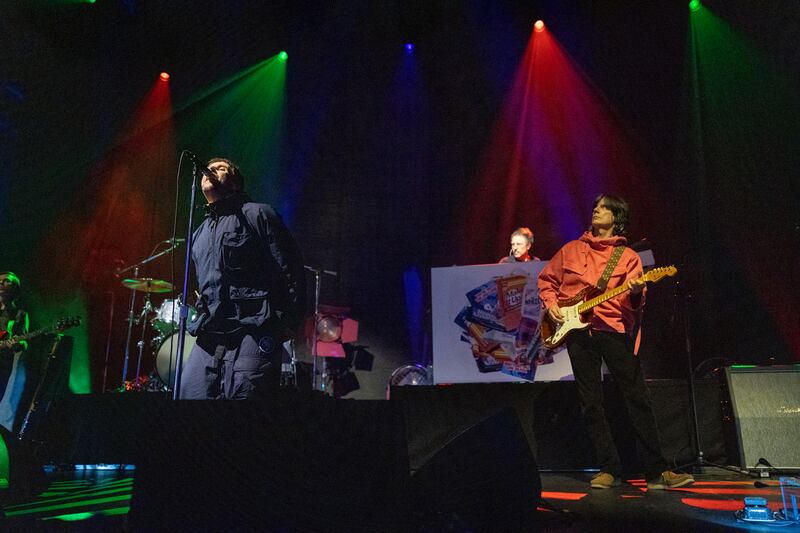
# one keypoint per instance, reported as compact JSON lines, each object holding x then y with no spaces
{"x":612,"y":336}
{"x":521,"y":242}
{"x":13,"y":322}
{"x":252,"y":292}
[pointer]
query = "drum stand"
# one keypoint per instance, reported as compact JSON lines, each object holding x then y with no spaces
{"x":148,"y":307}
{"x":143,"y":285}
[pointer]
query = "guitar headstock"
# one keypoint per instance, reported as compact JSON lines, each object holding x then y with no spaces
{"x":660,"y":273}
{"x":67,"y":322}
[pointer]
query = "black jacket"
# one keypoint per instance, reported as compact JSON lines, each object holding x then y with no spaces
{"x":249,"y":270}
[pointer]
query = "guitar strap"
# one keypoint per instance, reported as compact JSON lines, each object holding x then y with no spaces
{"x":610,"y":266}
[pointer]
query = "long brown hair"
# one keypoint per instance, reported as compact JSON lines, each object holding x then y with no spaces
{"x":619,"y":208}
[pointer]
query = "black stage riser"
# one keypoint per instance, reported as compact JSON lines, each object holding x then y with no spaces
{"x":109,"y":428}
{"x":483,"y":479}
{"x":297,"y":463}
{"x":284,"y":464}
{"x":552,"y":422}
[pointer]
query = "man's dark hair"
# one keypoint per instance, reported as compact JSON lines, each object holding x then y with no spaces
{"x":235,"y":172}
{"x":14,"y":283}
{"x":619,"y":208}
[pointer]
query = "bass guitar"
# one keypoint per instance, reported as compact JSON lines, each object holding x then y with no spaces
{"x":575,"y":309}
{"x":62,"y":325}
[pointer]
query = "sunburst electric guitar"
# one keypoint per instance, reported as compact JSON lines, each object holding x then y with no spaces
{"x":576,"y":309}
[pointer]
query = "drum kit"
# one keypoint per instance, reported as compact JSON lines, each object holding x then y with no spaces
{"x":165,"y":324}
{"x":164,"y":321}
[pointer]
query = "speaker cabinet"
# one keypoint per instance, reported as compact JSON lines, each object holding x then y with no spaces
{"x":766,"y":409}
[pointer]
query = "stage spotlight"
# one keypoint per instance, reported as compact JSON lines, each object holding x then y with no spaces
{"x":408,"y":375}
{"x":334,"y":328}
{"x":283,"y":56}
{"x":409,"y":47}
{"x":329,"y":328}
{"x":538,"y":26}
{"x":164,"y":76}
{"x":694,"y":5}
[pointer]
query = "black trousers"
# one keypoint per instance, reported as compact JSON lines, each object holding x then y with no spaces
{"x":587,"y":349}
{"x":233,"y":367}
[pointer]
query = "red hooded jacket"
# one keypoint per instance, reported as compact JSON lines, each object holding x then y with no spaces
{"x":579,"y":264}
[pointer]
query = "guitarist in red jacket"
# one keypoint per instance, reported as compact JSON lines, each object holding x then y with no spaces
{"x":13,"y":321}
{"x":610,"y":337}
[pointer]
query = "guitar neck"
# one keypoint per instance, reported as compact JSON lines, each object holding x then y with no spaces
{"x":597,"y":300}
{"x":27,"y":336}
{"x":63,"y":324}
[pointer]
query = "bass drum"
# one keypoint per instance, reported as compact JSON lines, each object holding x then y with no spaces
{"x":167,"y":355}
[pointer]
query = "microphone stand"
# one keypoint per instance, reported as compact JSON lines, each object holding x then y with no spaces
{"x":314,"y":356}
{"x":700,"y":462}
{"x":136,"y":266}
{"x":184,"y":313}
{"x":112,"y":295}
{"x":130,"y":331}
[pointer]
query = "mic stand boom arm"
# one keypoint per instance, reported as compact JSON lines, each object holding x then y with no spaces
{"x":118,"y":272}
{"x":176,"y":393}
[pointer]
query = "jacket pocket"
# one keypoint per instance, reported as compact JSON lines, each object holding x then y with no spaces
{"x":574,"y":268}
{"x":239,"y":251}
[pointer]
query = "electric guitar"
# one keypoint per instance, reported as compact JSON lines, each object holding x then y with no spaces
{"x":62,"y":325}
{"x":574,"y":309}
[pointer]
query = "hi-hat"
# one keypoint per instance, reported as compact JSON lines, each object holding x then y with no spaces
{"x":147,"y":284}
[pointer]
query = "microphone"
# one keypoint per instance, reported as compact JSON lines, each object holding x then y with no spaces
{"x":174,"y":241}
{"x":201,"y":168}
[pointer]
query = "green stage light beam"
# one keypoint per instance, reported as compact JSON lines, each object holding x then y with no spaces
{"x":242,"y":117}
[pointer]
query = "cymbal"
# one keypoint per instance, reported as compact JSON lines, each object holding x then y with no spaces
{"x":147,"y":284}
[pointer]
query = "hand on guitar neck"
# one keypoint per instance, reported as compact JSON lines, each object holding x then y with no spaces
{"x":636,"y":286}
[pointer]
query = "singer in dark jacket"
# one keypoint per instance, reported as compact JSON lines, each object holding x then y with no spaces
{"x":252,"y":291}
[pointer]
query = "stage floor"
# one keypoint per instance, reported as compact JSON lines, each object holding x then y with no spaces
{"x":707,"y":505}
{"x":99,"y":500}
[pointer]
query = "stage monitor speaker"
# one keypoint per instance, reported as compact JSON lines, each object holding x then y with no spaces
{"x":483,"y":479}
{"x":766,"y":409}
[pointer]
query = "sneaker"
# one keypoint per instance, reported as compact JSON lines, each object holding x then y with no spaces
{"x":670,"y":480}
{"x":604,"y":480}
